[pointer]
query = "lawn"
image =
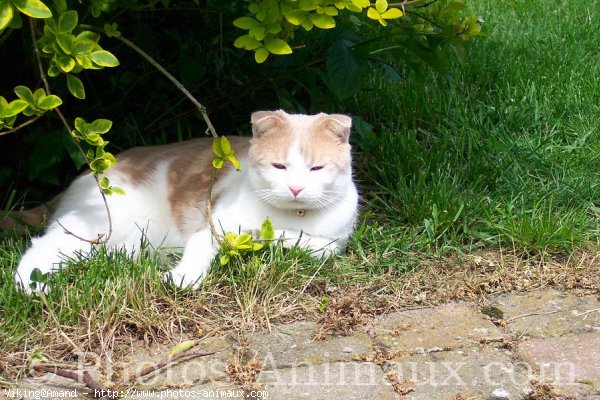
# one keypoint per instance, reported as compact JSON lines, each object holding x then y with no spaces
{"x":486,"y":182}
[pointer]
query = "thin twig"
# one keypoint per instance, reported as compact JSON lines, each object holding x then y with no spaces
{"x":211,"y":224}
{"x":23,"y":125}
{"x":177,"y":84}
{"x":508,"y":321}
{"x":203,"y":112}
{"x":586,"y":313}
{"x":101,"y":238}
{"x":100,"y":392}
{"x":92,"y":241}
{"x":84,"y":377}
{"x":176,"y":359}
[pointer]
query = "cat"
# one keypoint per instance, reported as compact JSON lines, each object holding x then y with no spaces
{"x":296,"y":170}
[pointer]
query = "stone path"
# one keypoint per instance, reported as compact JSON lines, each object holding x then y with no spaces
{"x":517,"y":345}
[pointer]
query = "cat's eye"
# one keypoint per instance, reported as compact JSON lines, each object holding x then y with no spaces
{"x":316,"y":168}
{"x":278,"y":166}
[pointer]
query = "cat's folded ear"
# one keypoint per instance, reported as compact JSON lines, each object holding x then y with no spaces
{"x":264,"y":121}
{"x":338,"y":124}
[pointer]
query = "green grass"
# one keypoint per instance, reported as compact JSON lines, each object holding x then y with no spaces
{"x":509,"y":151}
{"x":507,"y":154}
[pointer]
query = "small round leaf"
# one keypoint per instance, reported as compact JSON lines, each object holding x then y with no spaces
{"x":104,"y":58}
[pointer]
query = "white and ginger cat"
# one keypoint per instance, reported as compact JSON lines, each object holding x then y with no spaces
{"x":296,"y":170}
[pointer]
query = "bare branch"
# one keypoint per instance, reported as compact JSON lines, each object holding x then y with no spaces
{"x":23,"y":125}
{"x":177,"y":84}
{"x":99,"y":391}
{"x":204,"y":114}
{"x":84,"y":377}
{"x":176,"y":359}
{"x":104,"y":238}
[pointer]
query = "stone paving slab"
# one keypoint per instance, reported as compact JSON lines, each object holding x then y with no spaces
{"x":449,"y":326}
{"x":293,"y":344}
{"x":477,"y":372}
{"x":549,"y":313}
{"x":570,"y":363}
{"x":328,"y":381}
{"x":448,"y":352}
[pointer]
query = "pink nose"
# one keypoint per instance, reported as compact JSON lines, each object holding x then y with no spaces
{"x":296,"y":190}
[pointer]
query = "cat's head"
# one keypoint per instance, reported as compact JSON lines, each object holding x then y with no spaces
{"x":300,"y":161}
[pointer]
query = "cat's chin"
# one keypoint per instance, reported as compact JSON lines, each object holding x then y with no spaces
{"x":294,"y":205}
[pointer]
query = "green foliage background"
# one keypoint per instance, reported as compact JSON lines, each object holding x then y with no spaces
{"x":199,"y":43}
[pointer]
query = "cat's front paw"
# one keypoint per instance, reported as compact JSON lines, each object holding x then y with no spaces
{"x":288,"y":237}
{"x":28,"y":264}
{"x":187,"y":274}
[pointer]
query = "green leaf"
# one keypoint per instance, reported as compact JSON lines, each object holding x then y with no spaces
{"x":224,"y":259}
{"x":50,"y":102}
{"x":373,"y":14}
{"x":218,"y":163}
{"x":345,"y":68}
{"x":6,"y":14}
{"x":13,"y":108}
{"x":182,"y":347}
{"x":257,"y":32}
{"x":266,"y":230}
{"x":295,"y":17}
{"x":308,"y":5}
{"x":381,"y":6}
{"x":109,"y":157}
{"x":246,"y":42}
{"x":75,"y":86}
{"x":217,"y":148}
{"x":261,"y":55}
{"x":24,"y":93}
{"x":94,"y":139}
{"x":84,"y":61}
{"x":17,"y":21}
{"x":66,"y":42}
{"x":64,"y":62}
{"x":67,"y":21}
{"x":278,"y":46}
{"x":104,"y":58}
{"x":81,"y":126}
{"x":235,"y":162}
{"x":274,"y":28}
{"x":361,"y":3}
{"x":100,"y":126}
{"x":33,"y":8}
{"x":88,"y":35}
{"x":246,"y":23}
{"x":61,"y":5}
{"x":307,"y":24}
{"x":331,"y":11}
{"x":225,"y":146}
{"x":392,"y":13}
{"x":104,"y":182}
{"x":38,"y":96}
{"x":243,"y":239}
{"x":37,"y":276}
{"x":117,"y":190}
{"x":100,"y":165}
{"x":112,"y":30}
{"x":323,"y":21}
{"x":53,"y":70}
{"x":83,"y":46}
